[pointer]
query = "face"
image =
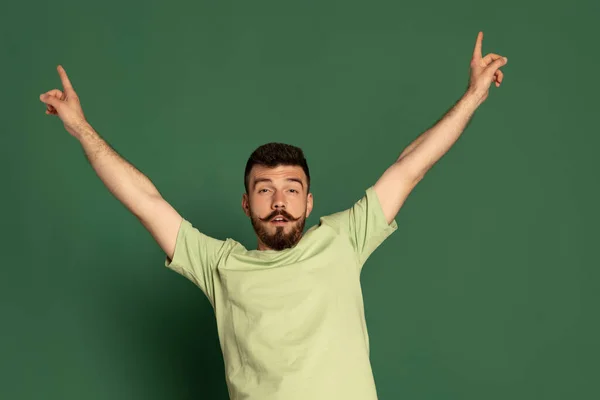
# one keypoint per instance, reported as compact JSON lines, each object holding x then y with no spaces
{"x":277,"y":192}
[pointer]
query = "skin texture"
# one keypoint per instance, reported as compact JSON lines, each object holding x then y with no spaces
{"x":280,"y":197}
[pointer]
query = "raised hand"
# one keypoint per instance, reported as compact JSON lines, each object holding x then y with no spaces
{"x":65,"y":104}
{"x":484,"y":70}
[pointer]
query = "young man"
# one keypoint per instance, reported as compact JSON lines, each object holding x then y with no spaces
{"x":290,"y":313}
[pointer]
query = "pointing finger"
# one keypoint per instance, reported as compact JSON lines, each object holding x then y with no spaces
{"x":65,"y":80}
{"x":477,"y":50}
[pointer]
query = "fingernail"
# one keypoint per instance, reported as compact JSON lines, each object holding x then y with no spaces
{"x":505,"y":59}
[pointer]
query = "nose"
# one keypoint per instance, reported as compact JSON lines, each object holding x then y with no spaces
{"x":279,"y":201}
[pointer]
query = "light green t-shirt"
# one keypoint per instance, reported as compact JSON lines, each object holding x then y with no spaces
{"x":291,"y":323}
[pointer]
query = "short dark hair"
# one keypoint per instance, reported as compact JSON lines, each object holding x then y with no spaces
{"x":274,"y":154}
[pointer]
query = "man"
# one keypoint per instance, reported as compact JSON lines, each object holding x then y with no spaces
{"x":290,"y":314}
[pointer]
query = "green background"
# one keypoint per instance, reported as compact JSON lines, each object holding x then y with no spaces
{"x":489,"y":288}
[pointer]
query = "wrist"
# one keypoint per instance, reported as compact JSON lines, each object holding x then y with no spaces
{"x":83,"y":130}
{"x":472,"y":98}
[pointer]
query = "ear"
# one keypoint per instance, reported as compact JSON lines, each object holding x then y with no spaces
{"x":245,"y":204}
{"x":309,"y":204}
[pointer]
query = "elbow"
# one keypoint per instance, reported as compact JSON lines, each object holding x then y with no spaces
{"x":410,"y":171}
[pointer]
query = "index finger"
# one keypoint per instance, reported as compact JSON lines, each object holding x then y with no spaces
{"x":477,"y":50}
{"x":65,"y":80}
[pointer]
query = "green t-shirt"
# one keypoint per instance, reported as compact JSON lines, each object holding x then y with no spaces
{"x":291,"y":323}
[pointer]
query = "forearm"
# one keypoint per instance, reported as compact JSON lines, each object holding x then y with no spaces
{"x":431,"y":145}
{"x":122,"y":179}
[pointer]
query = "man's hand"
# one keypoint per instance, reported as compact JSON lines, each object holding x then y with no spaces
{"x":484,"y":71}
{"x":66,"y":105}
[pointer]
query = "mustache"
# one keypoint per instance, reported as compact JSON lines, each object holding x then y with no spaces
{"x":279,"y":214}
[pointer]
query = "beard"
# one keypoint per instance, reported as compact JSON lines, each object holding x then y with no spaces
{"x":280,"y":239}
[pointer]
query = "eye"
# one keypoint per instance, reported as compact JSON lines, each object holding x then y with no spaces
{"x":294,"y":190}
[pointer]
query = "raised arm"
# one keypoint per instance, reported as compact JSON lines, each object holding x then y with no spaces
{"x":122,"y":179}
{"x":396,"y":183}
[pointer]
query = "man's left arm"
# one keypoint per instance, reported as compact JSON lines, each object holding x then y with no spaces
{"x":396,"y":183}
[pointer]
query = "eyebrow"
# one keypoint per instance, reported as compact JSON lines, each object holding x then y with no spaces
{"x":258,"y":180}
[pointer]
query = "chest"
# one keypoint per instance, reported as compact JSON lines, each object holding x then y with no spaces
{"x":293,"y":285}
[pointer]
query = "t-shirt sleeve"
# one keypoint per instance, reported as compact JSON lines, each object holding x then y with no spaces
{"x":196,"y":256}
{"x":366,"y":225}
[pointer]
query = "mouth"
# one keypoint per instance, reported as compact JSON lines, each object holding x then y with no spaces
{"x":278,"y":222}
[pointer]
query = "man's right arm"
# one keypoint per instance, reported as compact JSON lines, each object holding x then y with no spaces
{"x":132,"y":188}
